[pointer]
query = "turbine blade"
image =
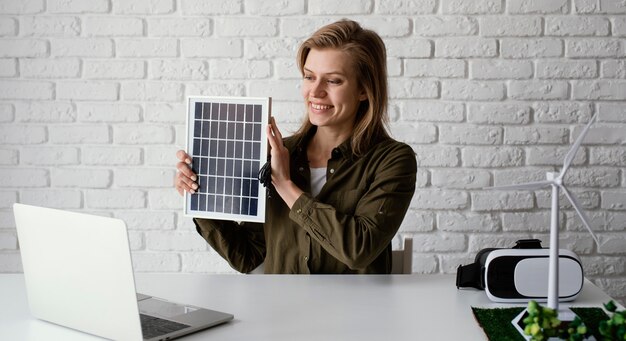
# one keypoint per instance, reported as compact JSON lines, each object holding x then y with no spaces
{"x":569,"y":157}
{"x":524,"y":186}
{"x":580,"y":212}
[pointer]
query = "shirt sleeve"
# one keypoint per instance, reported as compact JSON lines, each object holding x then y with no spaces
{"x":358,"y":239}
{"x":242,"y":245}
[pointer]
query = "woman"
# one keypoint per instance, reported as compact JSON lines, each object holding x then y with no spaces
{"x":343,"y":184}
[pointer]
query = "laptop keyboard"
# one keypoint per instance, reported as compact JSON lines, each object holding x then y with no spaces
{"x":153,"y":326}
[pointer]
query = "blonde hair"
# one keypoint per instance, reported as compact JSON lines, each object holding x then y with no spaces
{"x":369,"y":59}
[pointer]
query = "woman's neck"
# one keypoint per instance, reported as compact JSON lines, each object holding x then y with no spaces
{"x":320,"y":148}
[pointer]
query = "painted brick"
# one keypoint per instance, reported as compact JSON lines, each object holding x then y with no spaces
{"x":81,"y":47}
{"x":78,"y":6}
{"x":460,"y":178}
{"x":246,"y":27}
{"x":400,"y":7}
{"x":470,"y":134}
{"x":285,"y":90}
{"x":501,"y":26}
{"x":587,"y":199}
{"x":465,"y":47}
{"x":576,"y":26}
{"x":8,"y":27}
{"x":439,"y":200}
{"x":142,"y":134}
{"x":531,"y":48}
{"x":593,"y":177}
{"x":7,"y":113}
{"x":552,"y":156}
{"x":214,"y":89}
{"x":114,"y":69}
{"x":538,"y":90}
{"x":418,"y":221}
{"x":608,"y":156}
{"x":52,"y":156}
{"x":567,"y":69}
{"x":468,"y":222}
{"x":174,"y":241}
{"x":581,"y":244}
{"x":55,"y":198}
{"x":50,"y":68}
{"x":145,"y":177}
{"x":112,"y":26}
{"x":11,"y":262}
{"x":447,"y":242}
{"x":144,"y":6}
{"x":612,"y":244}
{"x":23,"y":177}
{"x":535,"y":135}
{"x":431,"y":111}
{"x":265,"y":48}
{"x":449,"y":263}
{"x":45,"y":111}
{"x":275,"y":8}
{"x":50,"y":26}
{"x":8,"y":157}
{"x":442,"y":26}
{"x":200,"y":7}
{"x":79,"y":90}
{"x":449,"y":68}
{"x":139,"y":220}
{"x":8,"y":241}
{"x":387,"y":27}
{"x":179,"y":27}
{"x":492,"y":156}
{"x":144,"y":47}
{"x":115,"y":198}
{"x":152,"y":91}
{"x":22,"y":7}
{"x":334,"y":7}
{"x":501,"y":200}
{"x":212,"y":47}
{"x":589,"y":48}
{"x":538,"y":6}
{"x":107,"y":112}
{"x":611,"y":112}
{"x":415,"y":133}
{"x":607,"y":266}
{"x":424,"y":264}
{"x":409,"y":48}
{"x":27,"y":48}
{"x":478,"y":242}
{"x":613,"y":69}
{"x":71,"y":134}
{"x":563,"y":112}
{"x":599,"y":6}
{"x":437,"y":156}
{"x":471,"y":7}
{"x":613,"y":134}
{"x":614,"y":200}
{"x":602,"y":220}
{"x":8,"y":198}
{"x":22,"y":134}
{"x":497,"y":113}
{"x":414,"y":89}
{"x":162,"y":156}
{"x":519,"y":175}
{"x":619,"y":26}
{"x":472,"y":90}
{"x":300,"y":27}
{"x":164,"y":199}
{"x":111,"y":156}
{"x":500,"y":69}
{"x":166,"y":113}
{"x":29,"y":90}
{"x":156,"y":262}
{"x":599,"y":90}
{"x":240,"y":69}
{"x":81,"y":178}
{"x":8,"y":67}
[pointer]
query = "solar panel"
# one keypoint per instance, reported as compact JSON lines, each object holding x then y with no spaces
{"x":227,"y":141}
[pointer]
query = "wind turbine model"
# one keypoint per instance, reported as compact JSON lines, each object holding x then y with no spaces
{"x":555,"y":180}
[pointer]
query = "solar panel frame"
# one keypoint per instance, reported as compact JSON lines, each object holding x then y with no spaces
{"x":228,"y":147}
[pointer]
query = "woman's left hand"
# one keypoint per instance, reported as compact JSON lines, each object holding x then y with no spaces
{"x":281,"y":177}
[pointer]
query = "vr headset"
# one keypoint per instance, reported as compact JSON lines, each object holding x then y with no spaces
{"x":520,"y":274}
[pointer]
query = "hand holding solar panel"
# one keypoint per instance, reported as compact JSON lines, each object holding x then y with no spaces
{"x":227,"y":144}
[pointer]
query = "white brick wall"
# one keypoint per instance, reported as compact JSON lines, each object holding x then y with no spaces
{"x":486,"y":92}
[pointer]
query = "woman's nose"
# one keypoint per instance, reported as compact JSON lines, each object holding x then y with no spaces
{"x":317,"y":90}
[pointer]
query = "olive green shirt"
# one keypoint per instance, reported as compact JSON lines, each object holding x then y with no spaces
{"x":346,"y":228}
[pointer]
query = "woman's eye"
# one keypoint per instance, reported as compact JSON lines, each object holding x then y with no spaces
{"x":334,"y":81}
{"x":308,"y":77}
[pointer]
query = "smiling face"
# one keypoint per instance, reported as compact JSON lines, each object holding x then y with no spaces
{"x":330,"y":90}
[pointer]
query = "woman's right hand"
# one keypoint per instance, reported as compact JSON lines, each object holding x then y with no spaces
{"x":185,"y":180}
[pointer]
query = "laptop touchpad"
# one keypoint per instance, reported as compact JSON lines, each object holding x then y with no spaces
{"x":157,"y":307}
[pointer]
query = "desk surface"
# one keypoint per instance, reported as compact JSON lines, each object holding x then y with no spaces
{"x":286,"y":307}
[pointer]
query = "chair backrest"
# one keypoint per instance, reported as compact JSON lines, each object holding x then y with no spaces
{"x":402,"y":260}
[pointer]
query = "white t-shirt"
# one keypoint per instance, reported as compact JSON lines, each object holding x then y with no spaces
{"x":318,"y":179}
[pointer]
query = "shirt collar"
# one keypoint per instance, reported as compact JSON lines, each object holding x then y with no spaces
{"x":343,"y":150}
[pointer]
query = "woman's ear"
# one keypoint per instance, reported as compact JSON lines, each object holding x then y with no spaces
{"x":362,"y":96}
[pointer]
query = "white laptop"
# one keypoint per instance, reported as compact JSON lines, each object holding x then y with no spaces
{"x":79,"y":274}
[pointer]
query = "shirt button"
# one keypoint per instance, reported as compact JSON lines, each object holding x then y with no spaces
{"x":301,"y":169}
{"x":299,"y":211}
{"x":306,"y":258}
{"x":332,"y":170}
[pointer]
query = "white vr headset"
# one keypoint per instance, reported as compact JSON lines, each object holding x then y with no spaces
{"x":520,"y":274}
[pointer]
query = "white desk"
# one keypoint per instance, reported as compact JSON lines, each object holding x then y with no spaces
{"x":281,"y":307}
